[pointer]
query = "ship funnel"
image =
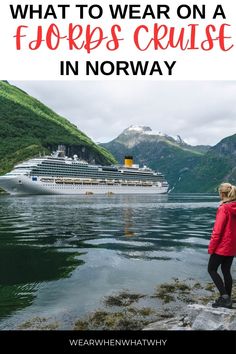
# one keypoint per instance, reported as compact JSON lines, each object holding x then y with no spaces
{"x":128,"y":161}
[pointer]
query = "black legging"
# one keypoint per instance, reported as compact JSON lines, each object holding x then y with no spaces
{"x":225,"y":262}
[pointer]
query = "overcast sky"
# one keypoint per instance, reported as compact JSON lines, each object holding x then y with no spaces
{"x":201,"y":112}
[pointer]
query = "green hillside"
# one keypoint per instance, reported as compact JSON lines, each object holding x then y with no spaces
{"x":216,"y":166}
{"x":28,"y":127}
{"x":187,"y":169}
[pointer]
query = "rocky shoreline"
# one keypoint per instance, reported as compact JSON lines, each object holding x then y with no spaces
{"x":178,"y":305}
{"x":198,"y":317}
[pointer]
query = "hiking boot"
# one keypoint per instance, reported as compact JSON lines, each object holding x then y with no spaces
{"x":223,"y":302}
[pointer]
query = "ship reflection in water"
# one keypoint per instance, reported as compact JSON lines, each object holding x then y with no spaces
{"x":60,"y":255}
{"x":128,"y":223}
{"x":130,"y":217}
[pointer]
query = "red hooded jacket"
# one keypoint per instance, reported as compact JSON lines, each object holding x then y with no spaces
{"x":223,"y":237}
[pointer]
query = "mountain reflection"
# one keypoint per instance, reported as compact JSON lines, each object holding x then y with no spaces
{"x":22,"y":269}
{"x":34,"y":265}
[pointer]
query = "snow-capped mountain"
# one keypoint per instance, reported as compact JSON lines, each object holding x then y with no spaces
{"x":171,"y":156}
{"x":136,"y":134}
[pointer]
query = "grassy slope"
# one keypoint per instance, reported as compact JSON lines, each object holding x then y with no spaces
{"x":217,"y":166}
{"x":205,"y":176}
{"x":28,"y":127}
{"x":186,"y":170}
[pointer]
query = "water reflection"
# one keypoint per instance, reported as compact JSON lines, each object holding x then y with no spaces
{"x":23,"y":269}
{"x":15,"y":297}
{"x":23,"y":265}
{"x":63,"y":252}
{"x":128,"y":223}
{"x":27,"y":258}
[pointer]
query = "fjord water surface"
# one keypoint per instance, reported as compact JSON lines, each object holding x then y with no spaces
{"x":60,"y":255}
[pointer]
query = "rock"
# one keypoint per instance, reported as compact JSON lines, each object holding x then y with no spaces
{"x":208,"y":318}
{"x":199,"y":317}
{"x":175,"y":324}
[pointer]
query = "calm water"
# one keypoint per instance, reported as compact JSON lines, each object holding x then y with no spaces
{"x":60,"y":255}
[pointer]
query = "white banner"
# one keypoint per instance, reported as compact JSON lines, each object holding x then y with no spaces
{"x":111,"y":40}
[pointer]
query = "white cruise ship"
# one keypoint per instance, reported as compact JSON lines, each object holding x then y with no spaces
{"x":58,"y":174}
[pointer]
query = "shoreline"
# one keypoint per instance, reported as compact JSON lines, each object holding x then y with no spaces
{"x":170,"y":306}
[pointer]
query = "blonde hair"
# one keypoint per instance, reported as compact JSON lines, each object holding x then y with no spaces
{"x":228,"y":190}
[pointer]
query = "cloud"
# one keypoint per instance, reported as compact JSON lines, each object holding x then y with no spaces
{"x":201,"y":112}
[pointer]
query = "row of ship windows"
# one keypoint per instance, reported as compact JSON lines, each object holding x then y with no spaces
{"x":90,"y":174}
{"x":61,"y":186}
{"x":52,"y":169}
{"x":66,"y":166}
{"x":110,"y":177}
{"x":76,"y":168}
{"x":62,"y":164}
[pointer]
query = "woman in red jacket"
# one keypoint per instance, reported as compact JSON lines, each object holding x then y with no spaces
{"x":222,"y":246}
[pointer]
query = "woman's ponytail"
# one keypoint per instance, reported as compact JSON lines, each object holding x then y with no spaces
{"x":228,"y":190}
{"x":232,"y":193}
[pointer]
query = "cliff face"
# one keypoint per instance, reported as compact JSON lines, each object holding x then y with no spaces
{"x":28,"y":127}
{"x":226,"y":148}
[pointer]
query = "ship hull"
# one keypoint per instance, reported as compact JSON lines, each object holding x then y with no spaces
{"x":23,"y":185}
